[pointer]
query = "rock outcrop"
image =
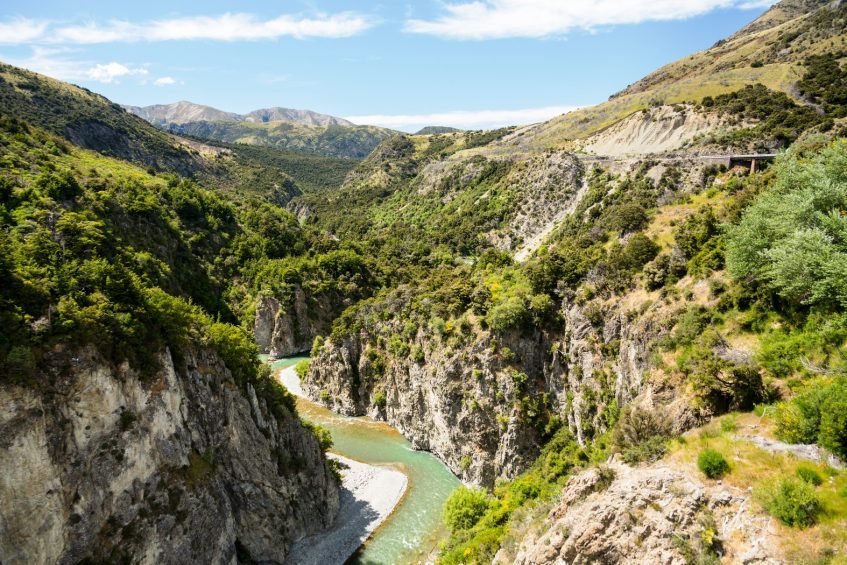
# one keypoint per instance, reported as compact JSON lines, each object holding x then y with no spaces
{"x":462,"y":405}
{"x":282,"y":330}
{"x":178,"y":466}
{"x":656,"y":514}
{"x":480,"y":407}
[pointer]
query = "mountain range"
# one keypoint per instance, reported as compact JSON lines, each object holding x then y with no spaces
{"x":301,"y":131}
{"x":183,"y":112}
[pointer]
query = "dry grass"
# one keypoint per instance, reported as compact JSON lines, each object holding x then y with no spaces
{"x":751,"y":466}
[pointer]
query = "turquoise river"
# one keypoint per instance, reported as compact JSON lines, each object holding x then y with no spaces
{"x":412,"y":532}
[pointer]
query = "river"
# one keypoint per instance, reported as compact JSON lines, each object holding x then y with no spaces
{"x":414,"y":528}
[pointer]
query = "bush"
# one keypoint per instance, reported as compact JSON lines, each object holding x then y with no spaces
{"x":302,"y":368}
{"x":810,"y":476}
{"x":818,"y":414}
{"x":639,"y":251}
{"x":512,"y":312}
{"x":464,"y":508}
{"x":793,"y":503}
{"x":712,"y":463}
{"x":641,"y":435}
{"x":788,"y":239}
{"x":833,"y":431}
{"x":379,"y":400}
{"x":625,"y":218}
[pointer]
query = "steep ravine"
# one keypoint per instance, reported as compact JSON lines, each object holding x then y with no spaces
{"x":176,"y":467}
{"x":471,"y":406}
{"x":283,"y":328}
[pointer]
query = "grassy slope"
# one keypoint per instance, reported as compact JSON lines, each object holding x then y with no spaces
{"x":332,"y":141}
{"x":780,"y":40}
{"x":90,"y":120}
{"x":752,"y":466}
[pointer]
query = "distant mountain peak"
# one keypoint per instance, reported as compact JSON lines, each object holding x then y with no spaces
{"x":185,"y":111}
{"x":305,"y":117}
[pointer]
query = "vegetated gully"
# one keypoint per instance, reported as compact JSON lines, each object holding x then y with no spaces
{"x":412,"y":531}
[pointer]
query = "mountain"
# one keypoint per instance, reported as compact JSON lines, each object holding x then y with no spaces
{"x":302,"y":131}
{"x":304,"y":117}
{"x":162,"y":115}
{"x":350,"y":142}
{"x":429,"y":130}
{"x":769,"y":51}
{"x":90,"y":121}
{"x":184,"y":112}
{"x":624,"y":329}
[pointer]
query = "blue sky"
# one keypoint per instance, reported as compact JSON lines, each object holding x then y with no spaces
{"x":464,"y":63}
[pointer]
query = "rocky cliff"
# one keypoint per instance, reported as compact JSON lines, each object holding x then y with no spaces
{"x":657,"y":514}
{"x":282,"y":330}
{"x":483,"y":402}
{"x":175,"y":467}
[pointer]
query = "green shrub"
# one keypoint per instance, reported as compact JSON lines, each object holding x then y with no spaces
{"x":464,"y":508}
{"x":809,"y":475}
{"x":712,"y":463}
{"x":379,"y":400}
{"x":511,"y":313}
{"x":792,"y":502}
{"x":302,"y":368}
{"x":833,"y":430}
{"x":641,"y":435}
{"x":465,"y":463}
{"x":788,"y":239}
{"x":818,"y":414}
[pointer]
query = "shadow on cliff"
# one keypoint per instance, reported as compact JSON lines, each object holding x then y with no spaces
{"x":343,"y":538}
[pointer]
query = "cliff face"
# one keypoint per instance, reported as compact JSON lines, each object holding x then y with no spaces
{"x":284,"y":330}
{"x":180,"y":466}
{"x":480,"y":406}
{"x":463,"y":404}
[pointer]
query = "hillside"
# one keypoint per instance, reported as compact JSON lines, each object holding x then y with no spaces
{"x":623,"y":333}
{"x":575,"y":307}
{"x":90,"y":121}
{"x":350,"y":142}
{"x":769,"y":51}
{"x":301,"y":131}
{"x":183,"y":112}
{"x":125,"y":290}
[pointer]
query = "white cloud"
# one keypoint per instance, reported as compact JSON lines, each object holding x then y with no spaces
{"x":227,"y":27}
{"x":164,"y":81}
{"x":54,"y":62}
{"x":109,"y":72}
{"x":492,"y":19}
{"x":464,"y":119}
{"x":21,"y":30}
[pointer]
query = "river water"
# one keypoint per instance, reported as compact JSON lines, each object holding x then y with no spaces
{"x":413,"y":530}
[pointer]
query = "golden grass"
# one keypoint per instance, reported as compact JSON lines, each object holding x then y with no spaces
{"x":751,"y":466}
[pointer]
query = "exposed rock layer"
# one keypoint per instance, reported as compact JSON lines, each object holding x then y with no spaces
{"x":177,"y":467}
{"x":647,"y":515}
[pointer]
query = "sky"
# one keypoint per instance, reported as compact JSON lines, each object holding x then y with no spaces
{"x":463,"y":63}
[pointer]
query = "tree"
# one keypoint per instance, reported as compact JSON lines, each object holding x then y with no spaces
{"x":464,"y":508}
{"x":792,"y":238}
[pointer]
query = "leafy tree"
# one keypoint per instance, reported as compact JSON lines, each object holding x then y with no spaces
{"x":792,"y":238}
{"x":464,"y":508}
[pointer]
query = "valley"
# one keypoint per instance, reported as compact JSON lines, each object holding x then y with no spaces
{"x":616,"y":336}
